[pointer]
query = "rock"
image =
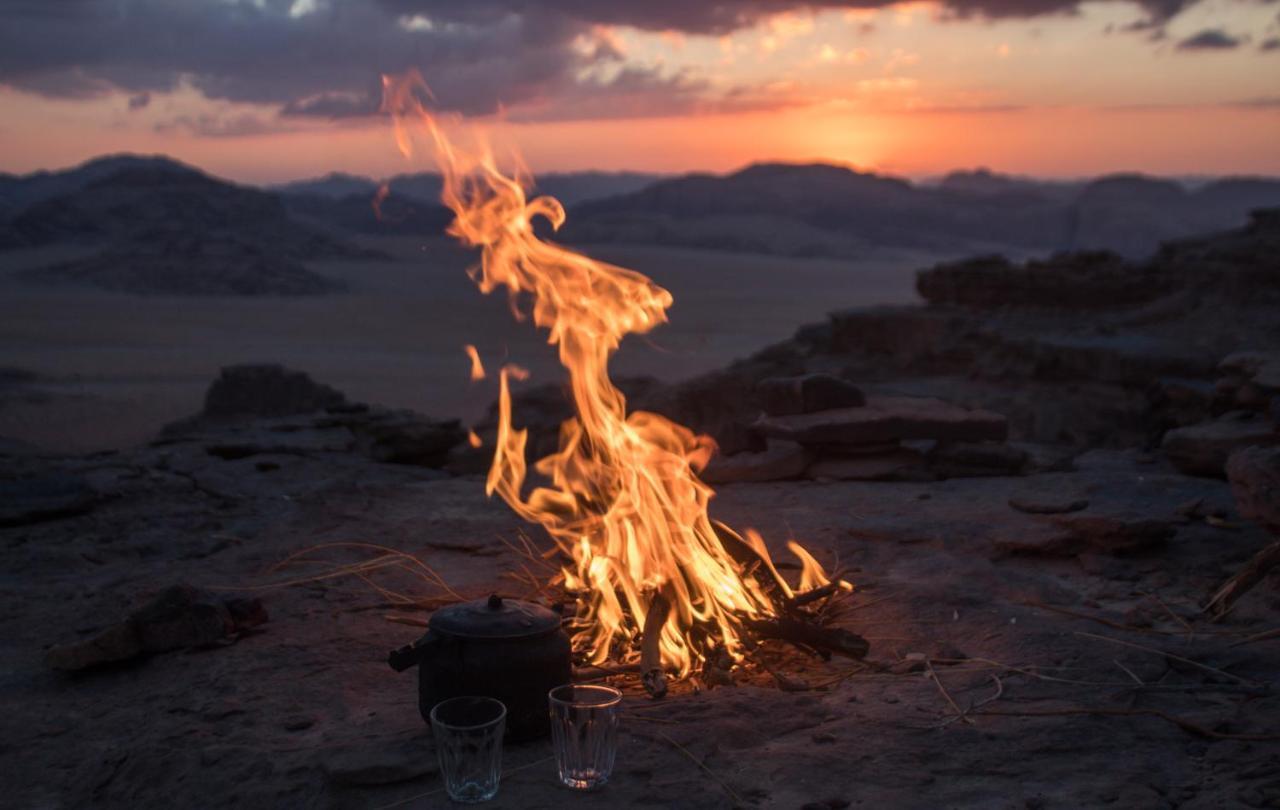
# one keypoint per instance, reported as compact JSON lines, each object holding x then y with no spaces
{"x":1261,"y":369}
{"x":977,"y":459}
{"x":1203,"y":449}
{"x":786,"y":396}
{"x":1077,"y":281}
{"x":48,"y":497}
{"x":887,"y":418}
{"x":781,"y":461}
{"x":381,"y":763}
{"x":1047,"y":502}
{"x":404,"y":437}
{"x":1254,"y":473}
{"x":1114,"y":533}
{"x":178,"y":617}
{"x":266,"y":390}
{"x":903,"y":464}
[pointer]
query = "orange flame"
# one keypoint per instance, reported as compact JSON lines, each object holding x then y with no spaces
{"x":379,"y":197}
{"x":622,"y":497}
{"x":477,"y":368}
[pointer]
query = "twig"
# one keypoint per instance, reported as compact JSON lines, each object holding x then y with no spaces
{"x":733,"y":794}
{"x":1129,"y":672}
{"x":960,"y":713}
{"x":1191,"y":633}
{"x":998,"y":694}
{"x":1263,"y":636}
{"x":1238,"y":585}
{"x":1100,"y":620}
{"x":1157,"y":651}
{"x":1185,"y":725}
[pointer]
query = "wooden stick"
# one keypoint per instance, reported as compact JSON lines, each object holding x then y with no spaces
{"x":806,"y":634}
{"x":1237,"y":586}
{"x":651,"y":674}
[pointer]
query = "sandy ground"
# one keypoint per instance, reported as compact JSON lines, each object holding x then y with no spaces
{"x":125,"y":365}
{"x":1062,"y":710}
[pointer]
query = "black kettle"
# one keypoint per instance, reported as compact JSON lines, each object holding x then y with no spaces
{"x":500,"y":648}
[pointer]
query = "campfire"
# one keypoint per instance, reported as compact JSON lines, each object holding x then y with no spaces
{"x":655,"y":583}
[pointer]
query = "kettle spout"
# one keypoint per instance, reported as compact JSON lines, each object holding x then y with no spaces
{"x":410,"y":655}
{"x":404,"y":658}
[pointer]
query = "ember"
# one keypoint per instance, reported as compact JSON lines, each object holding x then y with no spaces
{"x":622,"y":497}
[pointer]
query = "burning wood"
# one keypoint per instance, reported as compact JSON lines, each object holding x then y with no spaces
{"x":655,"y":579}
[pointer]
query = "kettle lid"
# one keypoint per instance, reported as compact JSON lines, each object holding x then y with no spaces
{"x":494,"y":617}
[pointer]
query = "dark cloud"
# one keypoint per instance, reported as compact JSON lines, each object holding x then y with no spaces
{"x":256,"y":51}
{"x":1272,"y":44}
{"x":322,"y":57}
{"x":139,"y":101}
{"x":1210,"y":39}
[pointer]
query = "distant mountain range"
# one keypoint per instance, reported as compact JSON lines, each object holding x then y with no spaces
{"x":829,"y":210}
{"x":163,"y":226}
{"x":413,"y":207}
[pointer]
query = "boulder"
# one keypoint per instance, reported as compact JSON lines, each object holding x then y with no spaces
{"x":1078,"y":281}
{"x":24,"y":501}
{"x":887,"y":419}
{"x":178,"y":617}
{"x":1203,"y":449}
{"x":1043,"y":501}
{"x":1114,"y":532}
{"x":809,"y":393}
{"x":903,"y":464}
{"x":977,"y":459}
{"x":266,"y":390}
{"x":780,"y":461}
{"x":1254,"y":473}
{"x":1261,"y":369}
{"x":404,"y":437}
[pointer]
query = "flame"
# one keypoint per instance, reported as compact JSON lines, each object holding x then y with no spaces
{"x":473,"y":439}
{"x":379,"y":197}
{"x":622,"y":498}
{"x":477,"y":368}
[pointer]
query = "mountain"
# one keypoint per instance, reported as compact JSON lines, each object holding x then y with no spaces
{"x":334,"y":185}
{"x":19,"y":191}
{"x":570,"y":188}
{"x":163,"y":227}
{"x":412,"y":206}
{"x":820,"y":209}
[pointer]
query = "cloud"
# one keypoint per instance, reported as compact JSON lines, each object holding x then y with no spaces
{"x":139,"y":101}
{"x":213,"y":125}
{"x":321,"y":58}
{"x":1272,"y":44}
{"x":1210,"y":39}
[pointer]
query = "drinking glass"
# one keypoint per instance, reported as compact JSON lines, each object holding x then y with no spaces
{"x":584,"y":733}
{"x":468,"y":733}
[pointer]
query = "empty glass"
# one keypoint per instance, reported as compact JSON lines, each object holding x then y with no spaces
{"x":584,"y":733}
{"x":468,"y":733}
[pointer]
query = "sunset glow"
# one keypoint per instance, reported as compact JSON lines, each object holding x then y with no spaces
{"x":912,"y":88}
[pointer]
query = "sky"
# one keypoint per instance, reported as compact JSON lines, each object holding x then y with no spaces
{"x":271,"y":90}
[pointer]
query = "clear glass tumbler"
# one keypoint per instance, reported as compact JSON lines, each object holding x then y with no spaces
{"x":584,"y":733}
{"x":468,"y":733}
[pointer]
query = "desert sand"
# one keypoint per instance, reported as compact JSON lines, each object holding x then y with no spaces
{"x":120,"y":366}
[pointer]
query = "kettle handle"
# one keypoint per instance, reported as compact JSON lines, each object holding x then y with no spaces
{"x":413,"y":654}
